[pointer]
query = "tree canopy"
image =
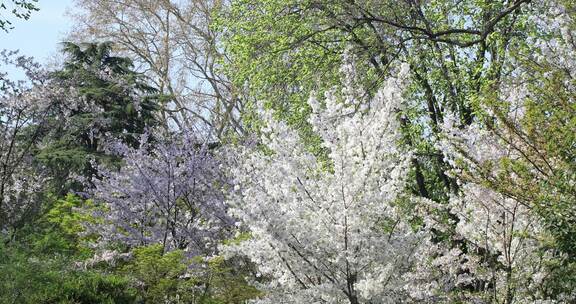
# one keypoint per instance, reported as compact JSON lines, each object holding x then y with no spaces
{"x":293,"y":151}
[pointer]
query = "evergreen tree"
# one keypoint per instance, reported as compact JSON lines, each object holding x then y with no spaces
{"x":105,"y":99}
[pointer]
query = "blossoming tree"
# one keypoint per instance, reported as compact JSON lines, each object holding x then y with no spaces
{"x":24,"y":107}
{"x":167,"y":192}
{"x":505,"y":254}
{"x":330,"y":233}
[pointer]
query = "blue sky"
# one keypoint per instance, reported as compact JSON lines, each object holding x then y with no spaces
{"x":39,"y":36}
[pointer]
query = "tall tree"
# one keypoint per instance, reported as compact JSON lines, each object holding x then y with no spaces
{"x":176,"y":45}
{"x":522,"y":144}
{"x":280,"y":51}
{"x":104,"y":99}
{"x":336,"y":234}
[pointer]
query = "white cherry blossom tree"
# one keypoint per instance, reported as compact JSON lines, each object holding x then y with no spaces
{"x":331,"y":233}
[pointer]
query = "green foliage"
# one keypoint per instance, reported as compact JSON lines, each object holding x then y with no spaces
{"x":63,"y":213}
{"x":88,"y":287}
{"x":37,"y":266}
{"x":171,"y":276}
{"x":543,"y":176}
{"x":159,"y":275}
{"x":537,"y":124}
{"x":102,"y":95}
{"x":241,"y":237}
{"x":271,"y":58}
{"x":57,"y":231}
{"x":227,"y":283}
{"x":33,"y":278}
{"x":21,"y":9}
{"x":69,"y":216}
{"x":282,"y":51}
{"x":43,"y":264}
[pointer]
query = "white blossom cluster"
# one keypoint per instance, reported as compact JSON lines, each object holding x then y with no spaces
{"x":331,"y":235}
{"x":557,"y":21}
{"x":501,"y":260}
{"x":504,"y":260}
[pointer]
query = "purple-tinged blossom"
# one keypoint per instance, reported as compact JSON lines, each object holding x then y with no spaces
{"x":169,"y":191}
